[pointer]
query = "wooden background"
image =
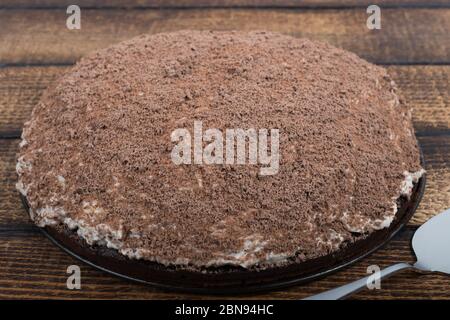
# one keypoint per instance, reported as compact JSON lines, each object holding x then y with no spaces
{"x":36,"y":47}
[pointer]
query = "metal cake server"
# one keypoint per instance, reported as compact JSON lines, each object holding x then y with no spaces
{"x":431,"y":244}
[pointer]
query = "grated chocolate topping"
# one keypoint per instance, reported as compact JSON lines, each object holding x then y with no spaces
{"x":96,"y":154}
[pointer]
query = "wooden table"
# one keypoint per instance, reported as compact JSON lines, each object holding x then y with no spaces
{"x":36,"y":47}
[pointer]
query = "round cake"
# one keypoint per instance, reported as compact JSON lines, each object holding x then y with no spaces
{"x":101,"y":154}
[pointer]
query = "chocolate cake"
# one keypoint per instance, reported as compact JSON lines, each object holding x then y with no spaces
{"x":95,"y":157}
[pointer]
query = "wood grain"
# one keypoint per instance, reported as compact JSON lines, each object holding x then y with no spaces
{"x":220,"y":3}
{"x":32,"y":267}
{"x":427,"y":89}
{"x":407,"y":36}
{"x":20,"y":90}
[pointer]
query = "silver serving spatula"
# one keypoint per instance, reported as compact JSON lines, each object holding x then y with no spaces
{"x":431,"y":244}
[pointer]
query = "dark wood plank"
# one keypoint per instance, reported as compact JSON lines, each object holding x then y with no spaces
{"x":12,"y":214}
{"x":219,"y":3}
{"x":407,"y":36}
{"x":427,"y":89}
{"x":32,"y":267}
{"x":20,"y":90}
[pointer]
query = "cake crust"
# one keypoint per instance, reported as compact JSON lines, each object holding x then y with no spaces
{"x":95,"y":155}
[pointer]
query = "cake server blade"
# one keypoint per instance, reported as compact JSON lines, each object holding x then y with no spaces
{"x":431,"y":244}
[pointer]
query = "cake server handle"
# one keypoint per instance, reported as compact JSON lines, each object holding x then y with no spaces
{"x":348,"y":289}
